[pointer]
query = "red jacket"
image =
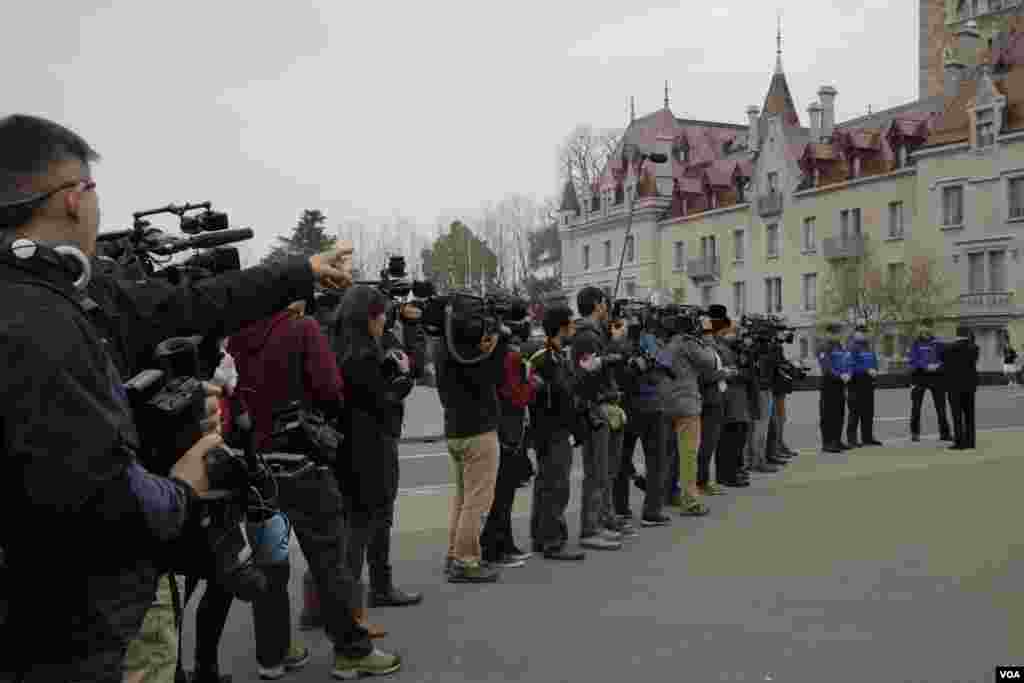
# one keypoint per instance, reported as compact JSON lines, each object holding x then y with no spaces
{"x":515,"y":395}
{"x":261,"y":352}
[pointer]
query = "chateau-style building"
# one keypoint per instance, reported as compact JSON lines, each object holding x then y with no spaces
{"x":752,"y":216}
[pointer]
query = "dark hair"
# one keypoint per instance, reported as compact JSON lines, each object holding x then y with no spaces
{"x":588,"y":299}
{"x":555,"y":319}
{"x":352,"y":334}
{"x":29,"y":148}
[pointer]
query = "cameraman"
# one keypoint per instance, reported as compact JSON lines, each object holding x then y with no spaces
{"x":602,"y":448}
{"x":468,"y":377}
{"x":740,"y":407}
{"x":68,"y":433}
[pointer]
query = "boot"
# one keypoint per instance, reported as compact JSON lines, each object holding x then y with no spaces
{"x":310,"y":618}
{"x":383,"y":592}
{"x":361,"y":615}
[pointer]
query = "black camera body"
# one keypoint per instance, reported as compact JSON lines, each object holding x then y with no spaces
{"x":471,"y":317}
{"x":169,"y":404}
{"x":766,"y":330}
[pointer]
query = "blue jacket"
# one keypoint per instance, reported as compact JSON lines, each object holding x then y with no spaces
{"x":862,"y":358}
{"x":923,"y":353}
{"x":834,"y":359}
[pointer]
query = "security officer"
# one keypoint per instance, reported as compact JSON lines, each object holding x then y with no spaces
{"x":835,"y":374}
{"x":927,"y":375}
{"x":861,"y":391}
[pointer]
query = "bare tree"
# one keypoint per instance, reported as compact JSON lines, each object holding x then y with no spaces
{"x":584,"y":154}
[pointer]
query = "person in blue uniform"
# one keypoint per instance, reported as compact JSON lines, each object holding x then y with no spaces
{"x":835,"y":375}
{"x":860,"y":393}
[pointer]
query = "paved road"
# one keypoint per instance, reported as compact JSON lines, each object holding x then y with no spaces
{"x":426,"y":465}
{"x":885,"y":565}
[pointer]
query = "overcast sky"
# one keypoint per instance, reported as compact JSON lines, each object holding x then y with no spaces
{"x":368,"y":108}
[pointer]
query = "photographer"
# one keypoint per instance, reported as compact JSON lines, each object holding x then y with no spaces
{"x":68,"y":432}
{"x":516,"y":393}
{"x":376,"y":383}
{"x":766,"y":361}
{"x":741,"y":406}
{"x":602,"y":447}
{"x":685,"y":360}
{"x":554,"y":420}
{"x":645,"y":424}
{"x":468,"y":378}
{"x":282,"y":359}
{"x":713,"y":389}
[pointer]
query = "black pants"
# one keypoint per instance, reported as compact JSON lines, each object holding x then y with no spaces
{"x":672,"y":460}
{"x":710,"y":435}
{"x":965,"y":432}
{"x":314,"y":506}
{"x":832,"y":410}
{"x":496,"y":538}
{"x":729,"y":454}
{"x":861,"y":401}
{"x":551,"y":490}
{"x":378,"y":550}
{"x":938,"y":400}
{"x":649,"y":430}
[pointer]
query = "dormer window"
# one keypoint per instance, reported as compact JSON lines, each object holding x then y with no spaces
{"x":985,"y":127}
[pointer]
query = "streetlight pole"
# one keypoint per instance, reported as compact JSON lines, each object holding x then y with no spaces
{"x":642,"y":157}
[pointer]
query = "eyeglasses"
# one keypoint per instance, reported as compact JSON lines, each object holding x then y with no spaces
{"x":87,"y":184}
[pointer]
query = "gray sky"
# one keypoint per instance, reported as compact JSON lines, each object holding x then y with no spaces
{"x":368,"y":108}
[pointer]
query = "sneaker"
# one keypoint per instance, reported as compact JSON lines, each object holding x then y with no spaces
{"x":660,"y":519}
{"x":377,"y":663}
{"x":627,"y":531}
{"x":610,"y":534}
{"x":517,"y":554}
{"x":478,"y":572}
{"x":508,"y":562}
{"x":448,"y":562}
{"x":297,"y":657}
{"x":600,"y":542}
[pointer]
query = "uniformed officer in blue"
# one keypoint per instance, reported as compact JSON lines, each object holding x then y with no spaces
{"x":834,"y":361}
{"x":927,"y":375}
{"x":860,"y":393}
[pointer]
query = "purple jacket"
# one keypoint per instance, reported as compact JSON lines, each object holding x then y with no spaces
{"x":923,"y":353}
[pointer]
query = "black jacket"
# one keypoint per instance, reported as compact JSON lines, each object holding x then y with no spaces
{"x":68,"y":463}
{"x":367,"y":467}
{"x":469,"y":392}
{"x":960,"y":361}
{"x":553,"y":409}
{"x":592,"y":338}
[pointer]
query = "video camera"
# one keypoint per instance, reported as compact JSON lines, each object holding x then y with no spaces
{"x":169,"y":403}
{"x":137,"y":253}
{"x":466,"y":318}
{"x":766,"y":329}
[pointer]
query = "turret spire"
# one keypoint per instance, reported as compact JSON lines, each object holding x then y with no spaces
{"x":632,"y":109}
{"x":666,"y":94}
{"x":778,"y":45}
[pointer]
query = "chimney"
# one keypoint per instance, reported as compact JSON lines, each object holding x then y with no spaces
{"x":968,"y":43}
{"x":827,"y":96}
{"x":814,"y":113}
{"x":753,"y":134}
{"x":663,"y":172}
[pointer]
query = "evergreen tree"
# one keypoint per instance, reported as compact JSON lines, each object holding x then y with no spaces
{"x":460,"y":259}
{"x":308,"y":238}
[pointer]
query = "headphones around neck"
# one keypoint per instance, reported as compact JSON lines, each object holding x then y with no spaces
{"x":56,"y":255}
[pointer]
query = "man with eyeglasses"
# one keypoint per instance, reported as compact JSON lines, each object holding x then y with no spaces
{"x":68,"y":470}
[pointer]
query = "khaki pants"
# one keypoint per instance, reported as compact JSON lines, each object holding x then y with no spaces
{"x":153,"y":656}
{"x":475,"y":461}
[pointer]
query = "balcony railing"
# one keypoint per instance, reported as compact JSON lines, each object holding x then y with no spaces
{"x":986,"y":303}
{"x":769,"y":204}
{"x":840,"y":248}
{"x":703,"y":269}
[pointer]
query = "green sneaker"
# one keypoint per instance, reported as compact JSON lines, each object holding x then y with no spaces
{"x":377,"y":663}
{"x":475,"y":572}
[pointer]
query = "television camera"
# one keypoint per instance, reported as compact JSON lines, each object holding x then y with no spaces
{"x":462,"y":318}
{"x":139,"y":252}
{"x":169,"y":403}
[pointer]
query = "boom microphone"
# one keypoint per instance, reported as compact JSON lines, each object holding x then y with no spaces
{"x":216,"y":239}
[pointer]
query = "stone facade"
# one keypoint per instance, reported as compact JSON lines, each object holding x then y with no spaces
{"x":753,"y":217}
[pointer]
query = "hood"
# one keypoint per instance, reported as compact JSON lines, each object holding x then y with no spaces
{"x":251,"y":339}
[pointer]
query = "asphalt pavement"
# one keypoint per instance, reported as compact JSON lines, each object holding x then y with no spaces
{"x":886,"y":565}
